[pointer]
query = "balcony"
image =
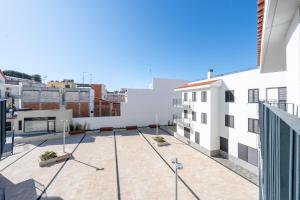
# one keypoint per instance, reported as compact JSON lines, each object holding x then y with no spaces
{"x":283,"y":105}
{"x":279,"y":152}
{"x":187,"y":105}
{"x":183,"y":122}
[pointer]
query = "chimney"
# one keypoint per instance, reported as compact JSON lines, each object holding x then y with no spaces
{"x":210,"y":73}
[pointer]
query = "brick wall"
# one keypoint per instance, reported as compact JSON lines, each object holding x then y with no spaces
{"x":73,"y":106}
{"x":116,"y":109}
{"x":96,"y":108}
{"x":32,"y":105}
{"x":84,"y":109}
{"x":105,"y":108}
{"x":97,"y":91}
{"x":50,"y":106}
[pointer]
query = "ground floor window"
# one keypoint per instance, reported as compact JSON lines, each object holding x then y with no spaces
{"x":40,"y":124}
{"x":197,"y":137}
{"x":8,"y":126}
{"x":248,"y":154}
{"x":187,"y":133}
{"x":224,"y":144}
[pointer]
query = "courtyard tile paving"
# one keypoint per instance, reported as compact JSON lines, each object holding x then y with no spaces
{"x":142,"y":173}
{"x":209,"y":179}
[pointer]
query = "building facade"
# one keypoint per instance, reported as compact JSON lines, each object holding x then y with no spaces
{"x":220,"y":115}
{"x":66,"y":83}
{"x":279,"y":50}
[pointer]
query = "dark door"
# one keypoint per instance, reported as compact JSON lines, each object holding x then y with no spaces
{"x":187,"y":133}
{"x":197,"y":137}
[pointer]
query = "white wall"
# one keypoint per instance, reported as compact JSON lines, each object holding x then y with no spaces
{"x":59,"y":114}
{"x":293,"y":60}
{"x":141,"y":106}
{"x":216,"y":108}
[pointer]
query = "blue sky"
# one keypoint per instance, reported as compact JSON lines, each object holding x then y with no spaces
{"x":124,"y":43}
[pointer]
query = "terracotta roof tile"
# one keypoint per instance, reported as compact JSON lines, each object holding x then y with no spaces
{"x":260,"y":15}
{"x":196,"y":84}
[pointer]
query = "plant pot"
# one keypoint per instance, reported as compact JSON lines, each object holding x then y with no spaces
{"x":52,"y":161}
{"x":160,"y":144}
{"x":76,"y":132}
{"x":44,"y":163}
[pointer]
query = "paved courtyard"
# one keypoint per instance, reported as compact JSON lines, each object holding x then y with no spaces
{"x":124,"y":165}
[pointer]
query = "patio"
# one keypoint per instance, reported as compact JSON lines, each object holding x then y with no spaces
{"x":119,"y":165}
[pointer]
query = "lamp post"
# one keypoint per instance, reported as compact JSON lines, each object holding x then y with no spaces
{"x":156,"y":118}
{"x":64,"y":136}
{"x":177,"y":167}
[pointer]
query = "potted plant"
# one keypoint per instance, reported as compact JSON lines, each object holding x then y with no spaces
{"x":77,"y":129}
{"x":47,"y":158}
{"x":160,"y":141}
{"x":50,"y":157}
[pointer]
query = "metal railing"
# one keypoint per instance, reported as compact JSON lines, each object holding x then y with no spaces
{"x":177,"y":103}
{"x":189,"y":105}
{"x":183,"y":122}
{"x":279,"y":153}
{"x":283,"y":105}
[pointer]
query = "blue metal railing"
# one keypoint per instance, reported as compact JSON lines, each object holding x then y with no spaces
{"x":279,"y":154}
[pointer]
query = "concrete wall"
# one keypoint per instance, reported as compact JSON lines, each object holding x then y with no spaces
{"x":141,"y":106}
{"x":59,"y":114}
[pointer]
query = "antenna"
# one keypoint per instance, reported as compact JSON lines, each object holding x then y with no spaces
{"x":83,"y":74}
{"x":44,"y":79}
{"x":91,"y":78}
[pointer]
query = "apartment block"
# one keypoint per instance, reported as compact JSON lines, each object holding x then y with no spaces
{"x":66,"y":83}
{"x":220,"y":115}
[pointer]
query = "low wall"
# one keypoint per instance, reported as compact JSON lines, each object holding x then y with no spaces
{"x":115,"y":121}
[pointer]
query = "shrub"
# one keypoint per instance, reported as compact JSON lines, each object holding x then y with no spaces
{"x":78,"y":127}
{"x":48,"y":155}
{"x":71,"y":127}
{"x":159,"y":139}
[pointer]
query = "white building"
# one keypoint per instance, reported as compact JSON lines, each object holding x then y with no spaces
{"x":141,"y":107}
{"x":280,"y":43}
{"x":220,"y":114}
{"x":10,"y":90}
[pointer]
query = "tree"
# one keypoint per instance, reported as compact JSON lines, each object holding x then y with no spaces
{"x":37,"y":78}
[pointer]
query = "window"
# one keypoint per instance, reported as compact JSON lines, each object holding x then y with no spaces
{"x":194,"y":116}
{"x":185,"y":96}
{"x":224,"y":144}
{"x":194,"y":96}
{"x":253,"y":95}
{"x":20,"y":125}
{"x":8,"y":126}
{"x":204,"y":96}
{"x":229,"y":121}
{"x":187,"y":132}
{"x":248,"y":154}
{"x":185,"y":114}
{"x":229,"y":96}
{"x":197,"y":137}
{"x":253,"y":125}
{"x":203,"y":118}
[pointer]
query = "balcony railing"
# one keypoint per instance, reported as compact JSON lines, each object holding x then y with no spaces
{"x":183,"y":123}
{"x":283,"y":105}
{"x":177,"y":103}
{"x":279,"y":153}
{"x":188,"y":105}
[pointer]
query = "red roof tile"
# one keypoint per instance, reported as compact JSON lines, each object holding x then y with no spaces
{"x":260,"y":15}
{"x":196,"y":84}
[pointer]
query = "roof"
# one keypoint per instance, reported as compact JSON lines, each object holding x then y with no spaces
{"x":260,"y":16}
{"x":193,"y":84}
{"x":1,"y":74}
